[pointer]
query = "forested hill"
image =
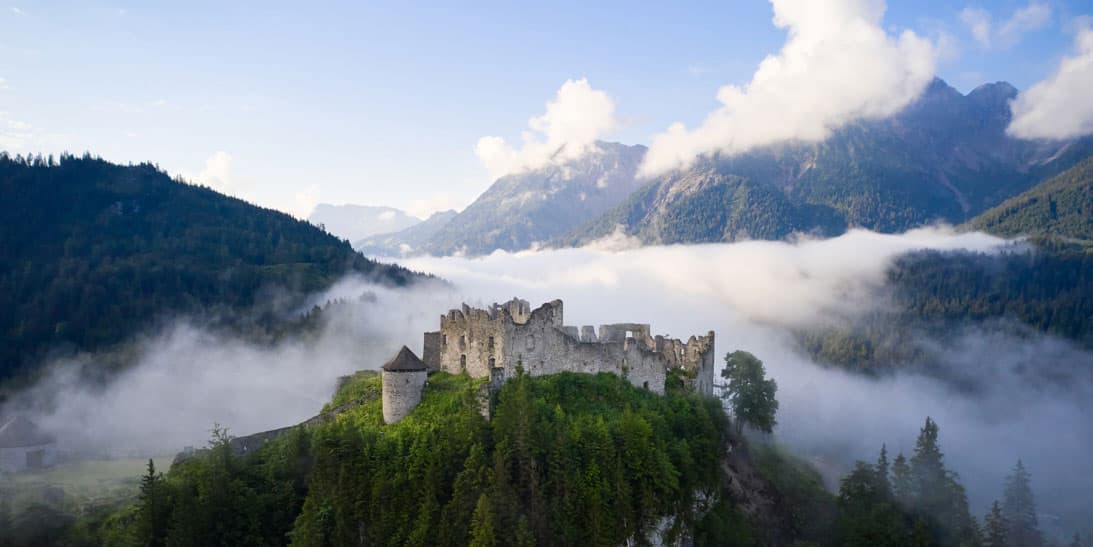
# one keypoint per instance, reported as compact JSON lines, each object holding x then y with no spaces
{"x":92,"y":252}
{"x":1061,"y":206}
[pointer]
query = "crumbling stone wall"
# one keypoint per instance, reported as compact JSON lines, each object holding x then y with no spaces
{"x":401,"y":393}
{"x":494,"y":341}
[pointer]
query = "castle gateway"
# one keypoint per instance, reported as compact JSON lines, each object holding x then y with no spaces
{"x":494,"y":341}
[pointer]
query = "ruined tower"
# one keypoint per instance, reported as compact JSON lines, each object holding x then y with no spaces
{"x":403,"y":380}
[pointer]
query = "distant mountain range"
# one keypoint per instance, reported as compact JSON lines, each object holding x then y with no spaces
{"x":356,"y":222}
{"x":946,"y":157}
{"x":527,"y":208}
{"x":408,"y":241}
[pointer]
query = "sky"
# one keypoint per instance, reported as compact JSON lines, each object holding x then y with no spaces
{"x":421,"y":105}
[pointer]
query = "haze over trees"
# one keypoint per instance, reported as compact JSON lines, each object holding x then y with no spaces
{"x":92,"y":253}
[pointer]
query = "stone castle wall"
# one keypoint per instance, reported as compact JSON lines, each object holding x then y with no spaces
{"x":401,"y":393}
{"x":494,"y":341}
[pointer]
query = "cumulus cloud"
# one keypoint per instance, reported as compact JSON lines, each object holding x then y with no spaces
{"x":1060,"y":106}
{"x":838,"y":64}
{"x":217,"y":173}
{"x":1032,"y":17}
{"x":573,"y":121}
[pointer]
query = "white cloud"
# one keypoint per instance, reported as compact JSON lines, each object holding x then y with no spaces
{"x":1061,"y":106}
{"x":573,"y":121}
{"x":17,"y":11}
{"x":978,"y":21}
{"x":1027,"y":19}
{"x":4,"y":84}
{"x":217,"y":173}
{"x":386,"y":216}
{"x":837,"y":65}
{"x":304,"y":202}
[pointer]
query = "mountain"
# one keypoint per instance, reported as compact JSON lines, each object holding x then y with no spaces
{"x":946,"y":157}
{"x":1061,"y":206}
{"x":354,"y":222}
{"x":534,"y":206}
{"x":92,"y":253}
{"x":405,"y":241}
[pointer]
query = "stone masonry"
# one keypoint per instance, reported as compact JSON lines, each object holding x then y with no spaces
{"x":492,"y":342}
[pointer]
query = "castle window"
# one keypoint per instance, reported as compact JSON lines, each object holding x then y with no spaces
{"x":463,"y":362}
{"x":489,"y":344}
{"x":493,"y":362}
{"x":463,"y":342}
{"x":444,"y":339}
{"x":645,"y":385}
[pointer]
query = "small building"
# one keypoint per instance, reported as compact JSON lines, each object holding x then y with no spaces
{"x":403,"y":379}
{"x":24,"y":446}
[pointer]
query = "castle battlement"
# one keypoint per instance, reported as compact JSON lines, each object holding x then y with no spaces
{"x":493,"y":342}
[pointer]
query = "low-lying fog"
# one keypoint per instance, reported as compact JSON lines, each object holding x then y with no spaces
{"x":750,"y":293}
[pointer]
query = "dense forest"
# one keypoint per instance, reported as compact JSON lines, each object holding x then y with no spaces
{"x":1060,"y":207}
{"x":567,"y":459}
{"x":92,"y":253}
{"x":1045,"y":287}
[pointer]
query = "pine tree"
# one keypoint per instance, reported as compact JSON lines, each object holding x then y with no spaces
{"x":482,"y":534}
{"x":883,"y":482}
{"x":1019,"y":509}
{"x":1077,"y":541}
{"x":153,"y":511}
{"x":901,"y":480}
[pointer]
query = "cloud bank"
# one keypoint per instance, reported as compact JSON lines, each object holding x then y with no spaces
{"x":838,"y":65}
{"x":753,"y":294}
{"x":573,"y":121}
{"x":1059,"y":107}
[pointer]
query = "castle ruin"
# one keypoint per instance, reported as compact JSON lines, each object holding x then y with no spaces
{"x":493,"y":342}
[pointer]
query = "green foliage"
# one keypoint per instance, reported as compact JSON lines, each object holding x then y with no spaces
{"x":812,"y":510}
{"x":750,"y":394}
{"x":1049,"y":288}
{"x":917,"y":503}
{"x":1061,"y":207}
{"x":92,"y":253}
{"x":569,"y":459}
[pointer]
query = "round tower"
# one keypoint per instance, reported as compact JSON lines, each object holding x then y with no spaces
{"x":403,"y":379}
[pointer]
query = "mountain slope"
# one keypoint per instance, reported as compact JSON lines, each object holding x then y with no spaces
{"x":1061,"y":206}
{"x":92,"y":253}
{"x":405,"y":241}
{"x":946,"y":157}
{"x":536,"y":206}
{"x":354,"y":222}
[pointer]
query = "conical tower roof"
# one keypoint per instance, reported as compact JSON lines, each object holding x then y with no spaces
{"x":405,"y":361}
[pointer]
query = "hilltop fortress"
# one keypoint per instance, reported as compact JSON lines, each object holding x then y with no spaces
{"x":493,"y":342}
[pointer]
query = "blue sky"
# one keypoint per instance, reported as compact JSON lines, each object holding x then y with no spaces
{"x":383,"y":103}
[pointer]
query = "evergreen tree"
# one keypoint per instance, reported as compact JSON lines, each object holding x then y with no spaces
{"x":750,"y":393}
{"x":1019,"y":509}
{"x":1077,"y":541}
{"x":995,"y":528}
{"x":482,"y":534}
{"x":153,"y":509}
{"x":901,"y":480}
{"x":883,"y":481}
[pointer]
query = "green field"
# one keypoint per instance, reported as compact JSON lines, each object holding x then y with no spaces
{"x":78,"y":487}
